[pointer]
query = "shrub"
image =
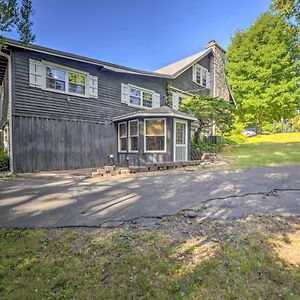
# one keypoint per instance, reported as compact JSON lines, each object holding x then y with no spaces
{"x":207,"y":147}
{"x":296,"y":123}
{"x":268,"y":128}
{"x":235,"y":139}
{"x":4,"y":161}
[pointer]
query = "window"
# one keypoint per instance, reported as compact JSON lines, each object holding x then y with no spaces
{"x":155,"y":135}
{"x":135,"y":96}
{"x":122,"y":137}
{"x":200,"y":75}
{"x":65,"y":80}
{"x":133,"y":136}
{"x":76,"y":83}
{"x":55,"y":79}
{"x":139,"y":97}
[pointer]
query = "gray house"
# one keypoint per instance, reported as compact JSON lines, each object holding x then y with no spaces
{"x":63,"y":111}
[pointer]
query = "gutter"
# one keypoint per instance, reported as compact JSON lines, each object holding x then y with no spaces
{"x":10,"y":122}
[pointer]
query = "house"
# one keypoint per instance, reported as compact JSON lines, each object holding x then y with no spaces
{"x":63,"y":111}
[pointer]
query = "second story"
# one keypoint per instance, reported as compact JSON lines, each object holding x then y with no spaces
{"x":55,"y":84}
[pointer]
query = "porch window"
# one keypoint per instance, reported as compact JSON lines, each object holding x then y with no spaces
{"x":133,"y":135}
{"x":55,"y":79}
{"x":155,"y":135}
{"x":122,"y":133}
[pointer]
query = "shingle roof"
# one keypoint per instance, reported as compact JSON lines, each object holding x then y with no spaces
{"x":156,"y":112}
{"x":180,"y":66}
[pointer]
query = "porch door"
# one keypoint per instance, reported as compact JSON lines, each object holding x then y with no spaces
{"x":180,"y":140}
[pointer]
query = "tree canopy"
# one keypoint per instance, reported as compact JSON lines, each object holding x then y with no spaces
{"x":263,"y":70}
{"x":209,"y":111}
{"x":289,"y":9}
{"x":16,"y":15}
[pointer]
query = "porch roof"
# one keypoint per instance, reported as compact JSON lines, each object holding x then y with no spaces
{"x":163,"y":111}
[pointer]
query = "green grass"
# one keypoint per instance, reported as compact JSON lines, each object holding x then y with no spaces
{"x":268,"y":150}
{"x":156,"y":264}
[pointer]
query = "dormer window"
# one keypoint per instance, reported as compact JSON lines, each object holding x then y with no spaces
{"x":201,"y":75}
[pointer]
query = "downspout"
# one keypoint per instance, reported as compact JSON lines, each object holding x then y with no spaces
{"x":10,"y":128}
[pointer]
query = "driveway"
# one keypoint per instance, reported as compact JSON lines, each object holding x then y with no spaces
{"x":94,"y":201}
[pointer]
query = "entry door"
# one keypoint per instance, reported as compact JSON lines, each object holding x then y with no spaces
{"x":180,"y":140}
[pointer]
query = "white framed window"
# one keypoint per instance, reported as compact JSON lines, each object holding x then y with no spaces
{"x":60,"y":79}
{"x":133,"y":134}
{"x":155,"y":135}
{"x":140,"y":97}
{"x":122,"y":137}
{"x":201,"y":75}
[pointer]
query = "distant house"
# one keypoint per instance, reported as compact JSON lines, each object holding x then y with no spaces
{"x":63,"y":111}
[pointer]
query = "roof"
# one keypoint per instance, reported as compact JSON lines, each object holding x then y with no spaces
{"x":163,"y":111}
{"x":110,"y":66}
{"x":179,"y":67}
{"x":170,"y":71}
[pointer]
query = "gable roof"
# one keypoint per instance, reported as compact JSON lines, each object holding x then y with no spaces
{"x":180,"y":66}
{"x":171,"y":71}
{"x":163,"y":111}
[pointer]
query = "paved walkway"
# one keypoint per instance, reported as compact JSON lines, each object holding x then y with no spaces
{"x":91,"y":202}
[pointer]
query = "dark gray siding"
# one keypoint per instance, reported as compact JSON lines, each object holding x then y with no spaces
{"x":53,"y":144}
{"x":4,"y":104}
{"x":32,"y":101}
{"x":185,"y":82}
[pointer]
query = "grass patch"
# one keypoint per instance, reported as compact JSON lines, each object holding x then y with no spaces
{"x":268,"y":150}
{"x":240,"y":260}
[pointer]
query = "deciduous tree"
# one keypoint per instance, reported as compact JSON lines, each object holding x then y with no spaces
{"x":15,"y":15}
{"x":263,"y":70}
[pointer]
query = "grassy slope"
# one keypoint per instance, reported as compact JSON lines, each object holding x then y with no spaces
{"x":237,"y":260}
{"x":269,"y":150}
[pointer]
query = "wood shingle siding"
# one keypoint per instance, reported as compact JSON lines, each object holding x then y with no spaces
{"x":53,"y":144}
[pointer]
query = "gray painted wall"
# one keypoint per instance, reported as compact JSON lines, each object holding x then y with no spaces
{"x":54,"y":131}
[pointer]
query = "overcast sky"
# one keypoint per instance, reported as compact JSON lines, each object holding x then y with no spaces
{"x":143,"y":34}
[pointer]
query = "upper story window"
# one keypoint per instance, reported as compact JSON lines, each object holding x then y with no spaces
{"x":201,"y":75}
{"x":60,"y":79}
{"x":139,"y":97}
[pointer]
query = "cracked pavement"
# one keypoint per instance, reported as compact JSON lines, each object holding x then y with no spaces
{"x":95,"y":202}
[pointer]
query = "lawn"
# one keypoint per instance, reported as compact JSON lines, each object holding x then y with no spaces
{"x":265,"y":150}
{"x":253,"y":258}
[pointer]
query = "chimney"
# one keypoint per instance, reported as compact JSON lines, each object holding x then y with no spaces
{"x":213,"y":44}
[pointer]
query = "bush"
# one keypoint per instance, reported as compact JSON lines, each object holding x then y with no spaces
{"x":295,"y":122}
{"x":207,"y":147}
{"x":4,"y":161}
{"x":268,"y":128}
{"x":235,"y":139}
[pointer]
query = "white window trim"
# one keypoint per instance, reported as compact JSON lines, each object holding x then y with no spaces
{"x":129,"y":136}
{"x":165,"y":136}
{"x":194,"y":75}
{"x":119,"y":150}
{"x":142,"y":91}
{"x":186,"y":137}
{"x":67,"y":70}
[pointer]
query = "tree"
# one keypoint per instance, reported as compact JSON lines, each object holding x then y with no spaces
{"x":209,"y":111}
{"x":289,"y":9}
{"x":14,"y":15}
{"x":263,"y":70}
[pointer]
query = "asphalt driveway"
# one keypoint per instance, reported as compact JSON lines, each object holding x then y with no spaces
{"x":94,"y":202}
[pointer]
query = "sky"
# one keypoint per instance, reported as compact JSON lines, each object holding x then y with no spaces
{"x":142,"y":34}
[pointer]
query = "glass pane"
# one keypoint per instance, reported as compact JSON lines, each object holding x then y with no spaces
{"x":204,"y":77}
{"x":147,"y":99}
{"x":123,"y":130}
{"x":135,"y":96}
{"x":155,"y":143}
{"x":76,"y":88}
{"x":133,"y":128}
{"x":55,"y":84}
{"x":155,"y":127}
{"x":134,"y":143}
{"x":56,"y":73}
{"x":123,"y":144}
{"x":76,"y":78}
{"x":180,"y":134}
